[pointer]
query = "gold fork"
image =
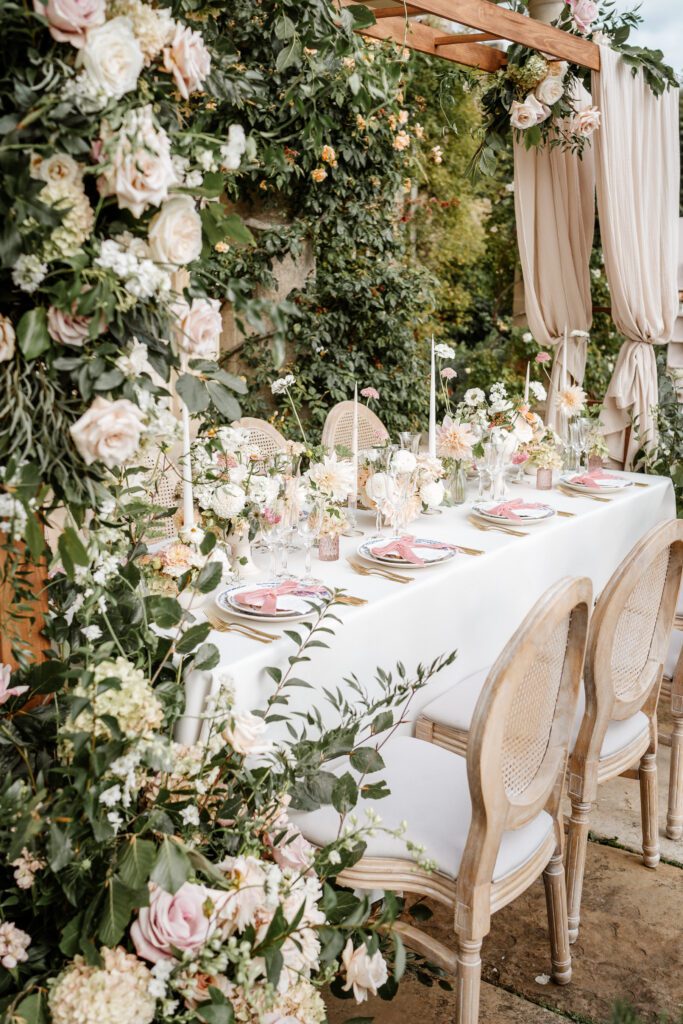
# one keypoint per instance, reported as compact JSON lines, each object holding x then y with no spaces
{"x":350,"y":599}
{"x":237,"y":627}
{"x":501,"y":529}
{"x":364,"y":570}
{"x":469,"y":551}
{"x":576,"y":494}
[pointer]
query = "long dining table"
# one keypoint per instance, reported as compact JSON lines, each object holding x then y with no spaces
{"x":472,"y":604}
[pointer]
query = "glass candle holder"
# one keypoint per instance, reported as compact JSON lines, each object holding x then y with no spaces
{"x":328,"y":547}
{"x":544,"y":478}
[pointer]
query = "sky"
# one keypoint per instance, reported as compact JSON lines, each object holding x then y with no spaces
{"x":662,"y":28}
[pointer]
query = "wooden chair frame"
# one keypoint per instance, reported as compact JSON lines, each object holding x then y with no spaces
{"x":338,"y":426}
{"x":474,"y":896}
{"x":637,"y":760}
{"x":674,"y":817}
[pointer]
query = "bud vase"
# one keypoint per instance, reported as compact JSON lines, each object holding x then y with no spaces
{"x":328,"y":547}
{"x":457,"y":485}
{"x":544,"y":478}
{"x":242,"y":562}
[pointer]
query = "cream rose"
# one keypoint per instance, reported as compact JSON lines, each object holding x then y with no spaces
{"x":188,"y":60}
{"x":69,"y":20}
{"x":112,"y":57}
{"x":550,"y":90}
{"x":141,"y":169}
{"x":245,"y":734}
{"x":364,"y":973}
{"x":178,"y":921}
{"x":585,"y":122}
{"x":67,"y":328}
{"x":175,"y":233}
{"x":59,"y":168}
{"x":198,"y":327}
{"x":108,"y":432}
{"x":525,"y":115}
{"x":7,"y":339}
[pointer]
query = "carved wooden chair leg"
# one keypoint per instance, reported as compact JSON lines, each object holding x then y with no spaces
{"x":556,"y":902}
{"x":468,"y":981}
{"x":674,"y":817}
{"x":649,"y":809}
{"x":577,"y":845}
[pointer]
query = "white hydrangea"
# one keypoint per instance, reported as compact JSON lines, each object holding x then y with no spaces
{"x":128,"y":258}
{"x":68,"y":198}
{"x":233,"y":150}
{"x":134,"y":705}
{"x":117,"y":991}
{"x":87,"y":96}
{"x":28,"y":273}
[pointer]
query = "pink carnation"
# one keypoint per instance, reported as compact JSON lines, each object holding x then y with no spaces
{"x":370,"y":393}
{"x":543,"y":357}
{"x":448,"y":373}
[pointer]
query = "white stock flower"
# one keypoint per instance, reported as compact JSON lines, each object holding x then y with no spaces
{"x":140,"y":168}
{"x":364,"y":973}
{"x":197,"y":328}
{"x":28,"y":273}
{"x":112,"y":57}
{"x":188,"y":60}
{"x":233,"y":150}
{"x":135,"y":361}
{"x":7,"y":339}
{"x":246,"y":734}
{"x":550,"y":90}
{"x":538,"y":391}
{"x":175,"y":232}
{"x":108,"y":432}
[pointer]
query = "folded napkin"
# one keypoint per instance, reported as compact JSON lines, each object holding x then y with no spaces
{"x":404,"y":548}
{"x":266,"y":598}
{"x":592,"y":478}
{"x":509,"y":509}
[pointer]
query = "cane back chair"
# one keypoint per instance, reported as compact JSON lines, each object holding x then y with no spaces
{"x":263,"y":435}
{"x":492,"y":824}
{"x":338,"y":428}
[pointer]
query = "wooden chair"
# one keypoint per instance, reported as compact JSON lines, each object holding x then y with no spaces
{"x":264,"y":435}
{"x":492,"y":824}
{"x":338,"y":427}
{"x":672,"y":686}
{"x":616,"y":731}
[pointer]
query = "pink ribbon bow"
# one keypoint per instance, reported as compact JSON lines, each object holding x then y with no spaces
{"x":404,"y":547}
{"x":266,"y":597}
{"x":506,"y":510}
{"x":591,"y":478}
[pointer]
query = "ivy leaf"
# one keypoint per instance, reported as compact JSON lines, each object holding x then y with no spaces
{"x":32,"y":332}
{"x":226,"y":403}
{"x":164,"y":611}
{"x":193,"y":392}
{"x":354,"y":83}
{"x":172,"y":867}
{"x":284,"y":28}
{"x":288,"y":55}
{"x":362,"y":16}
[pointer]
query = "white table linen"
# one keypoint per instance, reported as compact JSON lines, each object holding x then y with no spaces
{"x":473,"y":603}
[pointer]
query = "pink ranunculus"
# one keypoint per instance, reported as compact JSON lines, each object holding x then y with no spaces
{"x":7,"y":691}
{"x":584,"y":13}
{"x":67,"y":328}
{"x":174,"y":921}
{"x":69,"y":20}
{"x":448,"y":373}
{"x":543,"y":357}
{"x":370,"y":393}
{"x":188,"y":60}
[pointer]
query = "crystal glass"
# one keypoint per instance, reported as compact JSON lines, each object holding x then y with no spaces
{"x":310,"y":524}
{"x":574,"y":447}
{"x":410,"y":441}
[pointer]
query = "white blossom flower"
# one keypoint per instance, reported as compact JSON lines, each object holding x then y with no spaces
{"x":112,"y":57}
{"x":26,"y":866}
{"x":135,"y":361}
{"x":444,"y":351}
{"x":364,"y":973}
{"x":92,"y":632}
{"x":110,"y":796}
{"x":474,"y":397}
{"x":28,"y":272}
{"x":12,"y":516}
{"x":282,"y":384}
{"x":13,"y":945}
{"x":537,"y":390}
{"x":233,"y":150}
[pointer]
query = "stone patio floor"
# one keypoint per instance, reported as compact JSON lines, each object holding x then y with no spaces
{"x":630,"y":947}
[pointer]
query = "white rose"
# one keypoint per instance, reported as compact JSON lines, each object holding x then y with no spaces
{"x":108,"y":432}
{"x":175,"y":232}
{"x":525,"y":115}
{"x":586,"y":121}
{"x":197,"y":329}
{"x":558,"y":68}
{"x":245,"y":734}
{"x":404,"y":461}
{"x":60,"y":167}
{"x":364,"y":973}
{"x":141,"y":169}
{"x":188,"y":60}
{"x":112,"y":57}
{"x":522,"y":430}
{"x":7,"y":339}
{"x":67,"y":328}
{"x":550,"y":90}
{"x":432,"y":494}
{"x":228,"y":500}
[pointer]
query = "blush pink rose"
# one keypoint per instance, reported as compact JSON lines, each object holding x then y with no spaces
{"x":587,"y":121}
{"x":177,"y":921}
{"x":584,"y":13}
{"x":188,"y":60}
{"x":108,"y":432}
{"x":67,"y":328}
{"x":69,"y":20}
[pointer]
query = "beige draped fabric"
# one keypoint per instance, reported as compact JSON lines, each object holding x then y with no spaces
{"x":637,"y":177}
{"x":555,"y":214}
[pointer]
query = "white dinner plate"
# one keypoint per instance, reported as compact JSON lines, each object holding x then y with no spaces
{"x":290,"y":607}
{"x":611,"y":486}
{"x":433,"y":552}
{"x":527,"y":516}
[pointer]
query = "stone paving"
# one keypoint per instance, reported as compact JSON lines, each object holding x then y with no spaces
{"x":630,"y":946}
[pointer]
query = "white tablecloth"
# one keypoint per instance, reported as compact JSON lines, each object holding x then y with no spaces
{"x":473,"y":604}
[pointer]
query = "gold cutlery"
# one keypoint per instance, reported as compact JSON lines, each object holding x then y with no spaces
{"x":582,"y":494}
{"x":349,"y":599}
{"x":366,"y":570}
{"x":501,"y":529}
{"x":637,"y":483}
{"x":561,"y":512}
{"x":469,"y":551}
{"x":243,"y":629}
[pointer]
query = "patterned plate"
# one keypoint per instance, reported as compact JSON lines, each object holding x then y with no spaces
{"x":432,"y":552}
{"x":290,"y":607}
{"x":610,"y":486}
{"x":526,"y":516}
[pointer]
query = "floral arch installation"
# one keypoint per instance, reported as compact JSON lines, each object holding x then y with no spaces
{"x":395,"y":22}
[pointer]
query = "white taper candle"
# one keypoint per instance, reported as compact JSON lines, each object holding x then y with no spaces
{"x":354,"y":440}
{"x":526,"y":384}
{"x":432,"y":406}
{"x":565,"y":379}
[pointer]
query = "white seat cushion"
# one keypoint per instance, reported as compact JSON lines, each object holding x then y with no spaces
{"x":455,"y":707}
{"x":674,"y":652}
{"x":429,"y":790}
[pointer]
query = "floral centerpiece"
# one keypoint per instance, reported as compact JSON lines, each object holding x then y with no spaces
{"x":330,"y":481}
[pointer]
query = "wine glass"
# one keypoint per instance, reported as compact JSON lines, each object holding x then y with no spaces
{"x":310,"y":524}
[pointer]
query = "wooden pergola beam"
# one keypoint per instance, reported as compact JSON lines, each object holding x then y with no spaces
{"x":465,"y":37}
{"x":487,"y":17}
{"x":417,"y":36}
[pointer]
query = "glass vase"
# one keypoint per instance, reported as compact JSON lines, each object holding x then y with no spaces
{"x":457,"y":485}
{"x":544,"y":478}
{"x":328,"y":547}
